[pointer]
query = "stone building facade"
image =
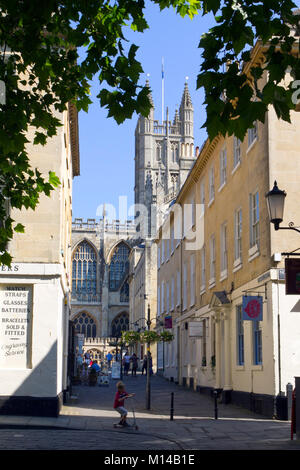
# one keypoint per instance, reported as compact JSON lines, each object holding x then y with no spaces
{"x":35,"y":291}
{"x":164,"y":155}
{"x":100,"y":268}
{"x":238,"y":259}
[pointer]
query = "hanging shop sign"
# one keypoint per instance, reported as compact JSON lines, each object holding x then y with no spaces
{"x":292,"y":276}
{"x":168,"y":322}
{"x":252,"y":308}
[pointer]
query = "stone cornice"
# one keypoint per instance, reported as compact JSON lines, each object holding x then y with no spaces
{"x":74,"y":138}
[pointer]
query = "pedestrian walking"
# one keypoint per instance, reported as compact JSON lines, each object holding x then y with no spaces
{"x":126,"y":363}
{"x":134,"y":361}
{"x":109,"y":358}
{"x":144,"y":366}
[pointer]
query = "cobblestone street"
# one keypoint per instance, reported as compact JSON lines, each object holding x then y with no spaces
{"x":88,"y":423}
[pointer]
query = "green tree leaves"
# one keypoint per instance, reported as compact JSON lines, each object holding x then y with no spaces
{"x":234,"y":95}
{"x":42,"y":73}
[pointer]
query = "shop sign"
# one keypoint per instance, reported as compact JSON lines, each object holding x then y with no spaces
{"x":168,"y":322}
{"x":252,"y":308}
{"x":15,"y":326}
{"x":196,"y":328}
{"x":292,"y":276}
{"x":116,"y":370}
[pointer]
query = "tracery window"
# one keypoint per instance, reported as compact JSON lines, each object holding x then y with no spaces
{"x":119,"y":266}
{"x":119,"y":324}
{"x":84,"y":271}
{"x":85,"y":325}
{"x":124,"y":294}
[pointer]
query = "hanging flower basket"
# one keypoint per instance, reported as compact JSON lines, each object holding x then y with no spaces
{"x":166,"y":336}
{"x":130,"y":337}
{"x":149,"y":337}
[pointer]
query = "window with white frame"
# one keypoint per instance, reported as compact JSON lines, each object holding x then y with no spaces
{"x":192,"y":280}
{"x":172,"y":294}
{"x":162,"y":299}
{"x":238,"y":234}
{"x":236,"y":151}
{"x":168,"y":248}
{"x":167,"y":297}
{"x":204,"y":358}
{"x":158,"y":301}
{"x":184,"y":300}
{"x":223,"y":166}
{"x":254,"y":219}
{"x":239,"y":335}
{"x":203,"y":270}
{"x":252,"y":134}
{"x":172,"y":237}
{"x":158,"y":256}
{"x":211,"y":184}
{"x":257,"y":342}
{"x":212,"y":257}
{"x":223,"y":248}
{"x":202,"y":198}
{"x":178,"y":288}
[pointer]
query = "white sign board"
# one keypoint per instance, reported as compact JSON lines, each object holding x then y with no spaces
{"x":196,"y":328}
{"x":116,"y":370}
{"x":15,"y":326}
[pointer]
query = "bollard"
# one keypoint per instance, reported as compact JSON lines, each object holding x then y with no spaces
{"x":172,"y":407}
{"x":216,"y":403}
{"x":289,"y":392}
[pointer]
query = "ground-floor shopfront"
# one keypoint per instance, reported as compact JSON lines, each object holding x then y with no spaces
{"x":35,"y":338}
{"x":249,"y":359}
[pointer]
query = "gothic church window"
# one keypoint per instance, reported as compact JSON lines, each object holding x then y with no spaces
{"x":85,"y":325}
{"x":119,"y":266}
{"x":84,"y":272}
{"x":119,"y":324}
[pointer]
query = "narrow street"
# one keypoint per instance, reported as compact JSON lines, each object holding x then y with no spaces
{"x":87,"y":424}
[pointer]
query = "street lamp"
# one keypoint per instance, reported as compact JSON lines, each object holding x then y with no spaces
{"x":275,"y":203}
{"x":148,"y":386}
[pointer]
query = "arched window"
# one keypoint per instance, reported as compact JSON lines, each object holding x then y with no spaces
{"x":119,"y":324}
{"x":85,"y":325}
{"x":119,"y":266}
{"x":84,"y":272}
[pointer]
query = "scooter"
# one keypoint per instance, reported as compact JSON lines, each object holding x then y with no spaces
{"x":134,"y":425}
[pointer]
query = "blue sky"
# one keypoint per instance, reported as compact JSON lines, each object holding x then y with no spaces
{"x":107,"y":149}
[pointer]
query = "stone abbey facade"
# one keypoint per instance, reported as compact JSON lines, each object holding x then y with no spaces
{"x":164,"y":154}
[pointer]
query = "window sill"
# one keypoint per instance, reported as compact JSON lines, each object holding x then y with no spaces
{"x":253,"y":253}
{"x":237,"y":265}
{"x":251,"y":145}
{"x":222,"y":186}
{"x":202,"y":290}
{"x":236,"y":167}
{"x":211,"y":283}
{"x":211,"y":202}
{"x":224,"y":275}
{"x":240,"y":367}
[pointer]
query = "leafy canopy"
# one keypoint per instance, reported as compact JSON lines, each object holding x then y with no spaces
{"x":42,"y":73}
